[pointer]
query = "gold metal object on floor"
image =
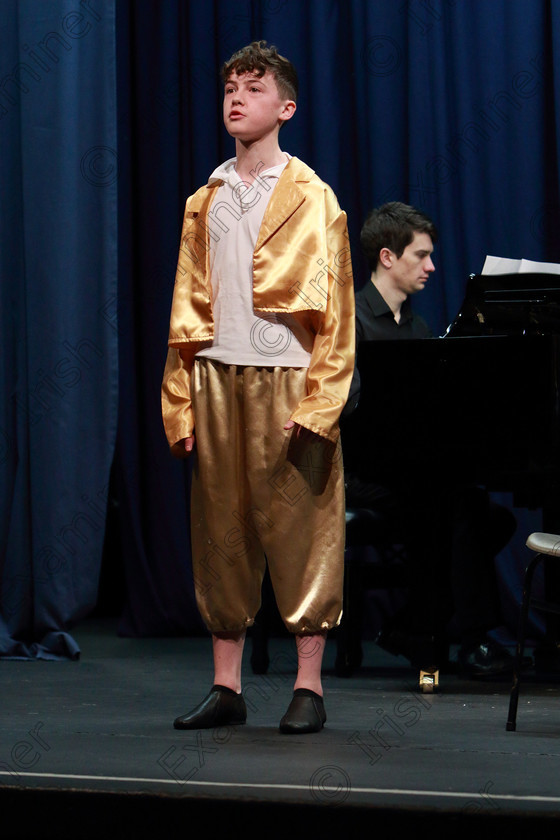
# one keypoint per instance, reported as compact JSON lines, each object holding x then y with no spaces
{"x":429,"y":681}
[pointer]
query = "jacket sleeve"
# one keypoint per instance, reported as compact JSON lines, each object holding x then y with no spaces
{"x":332,"y":357}
{"x":190,"y":323}
{"x":176,"y":404}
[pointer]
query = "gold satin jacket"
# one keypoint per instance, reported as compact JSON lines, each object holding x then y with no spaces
{"x":301,"y":266}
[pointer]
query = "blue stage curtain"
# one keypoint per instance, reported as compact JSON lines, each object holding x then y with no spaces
{"x":446,"y":104}
{"x":58,"y":263}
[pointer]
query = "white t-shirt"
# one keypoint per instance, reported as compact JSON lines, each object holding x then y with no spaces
{"x":234,"y":220}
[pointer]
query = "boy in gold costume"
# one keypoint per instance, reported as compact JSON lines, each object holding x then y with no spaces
{"x":261,"y":355}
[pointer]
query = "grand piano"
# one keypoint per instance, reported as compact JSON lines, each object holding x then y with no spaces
{"x":480,"y":404}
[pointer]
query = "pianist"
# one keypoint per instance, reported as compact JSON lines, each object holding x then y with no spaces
{"x":398,"y":241}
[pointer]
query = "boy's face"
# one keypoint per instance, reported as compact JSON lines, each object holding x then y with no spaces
{"x":253,"y":108}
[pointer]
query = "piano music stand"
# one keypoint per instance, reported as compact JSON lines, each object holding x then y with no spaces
{"x":508,"y":304}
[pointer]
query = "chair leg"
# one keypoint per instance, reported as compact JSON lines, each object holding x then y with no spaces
{"x":520,"y":648}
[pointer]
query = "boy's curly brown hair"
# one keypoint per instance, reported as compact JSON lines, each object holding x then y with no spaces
{"x":257,"y":58}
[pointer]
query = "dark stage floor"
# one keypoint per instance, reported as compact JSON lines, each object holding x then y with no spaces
{"x":87,"y":748}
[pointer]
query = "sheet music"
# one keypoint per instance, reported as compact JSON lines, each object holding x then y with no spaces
{"x":500,"y":265}
{"x":503,"y":265}
{"x":539,"y":267}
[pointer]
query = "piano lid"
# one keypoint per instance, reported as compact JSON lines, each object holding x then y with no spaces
{"x":508,"y":304}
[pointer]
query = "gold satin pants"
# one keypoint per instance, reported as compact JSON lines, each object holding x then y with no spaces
{"x":261,"y":494}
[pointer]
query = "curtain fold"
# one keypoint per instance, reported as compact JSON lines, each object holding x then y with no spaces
{"x":59,"y":251}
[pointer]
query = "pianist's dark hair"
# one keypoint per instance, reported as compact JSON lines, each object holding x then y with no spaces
{"x":393,"y":226}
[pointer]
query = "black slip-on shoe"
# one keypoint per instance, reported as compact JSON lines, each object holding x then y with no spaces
{"x":306,"y":713}
{"x":221,"y":707}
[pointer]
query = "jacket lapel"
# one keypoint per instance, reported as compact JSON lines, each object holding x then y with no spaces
{"x":285,"y":200}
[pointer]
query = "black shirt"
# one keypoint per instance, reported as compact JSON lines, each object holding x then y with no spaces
{"x":375,"y":320}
